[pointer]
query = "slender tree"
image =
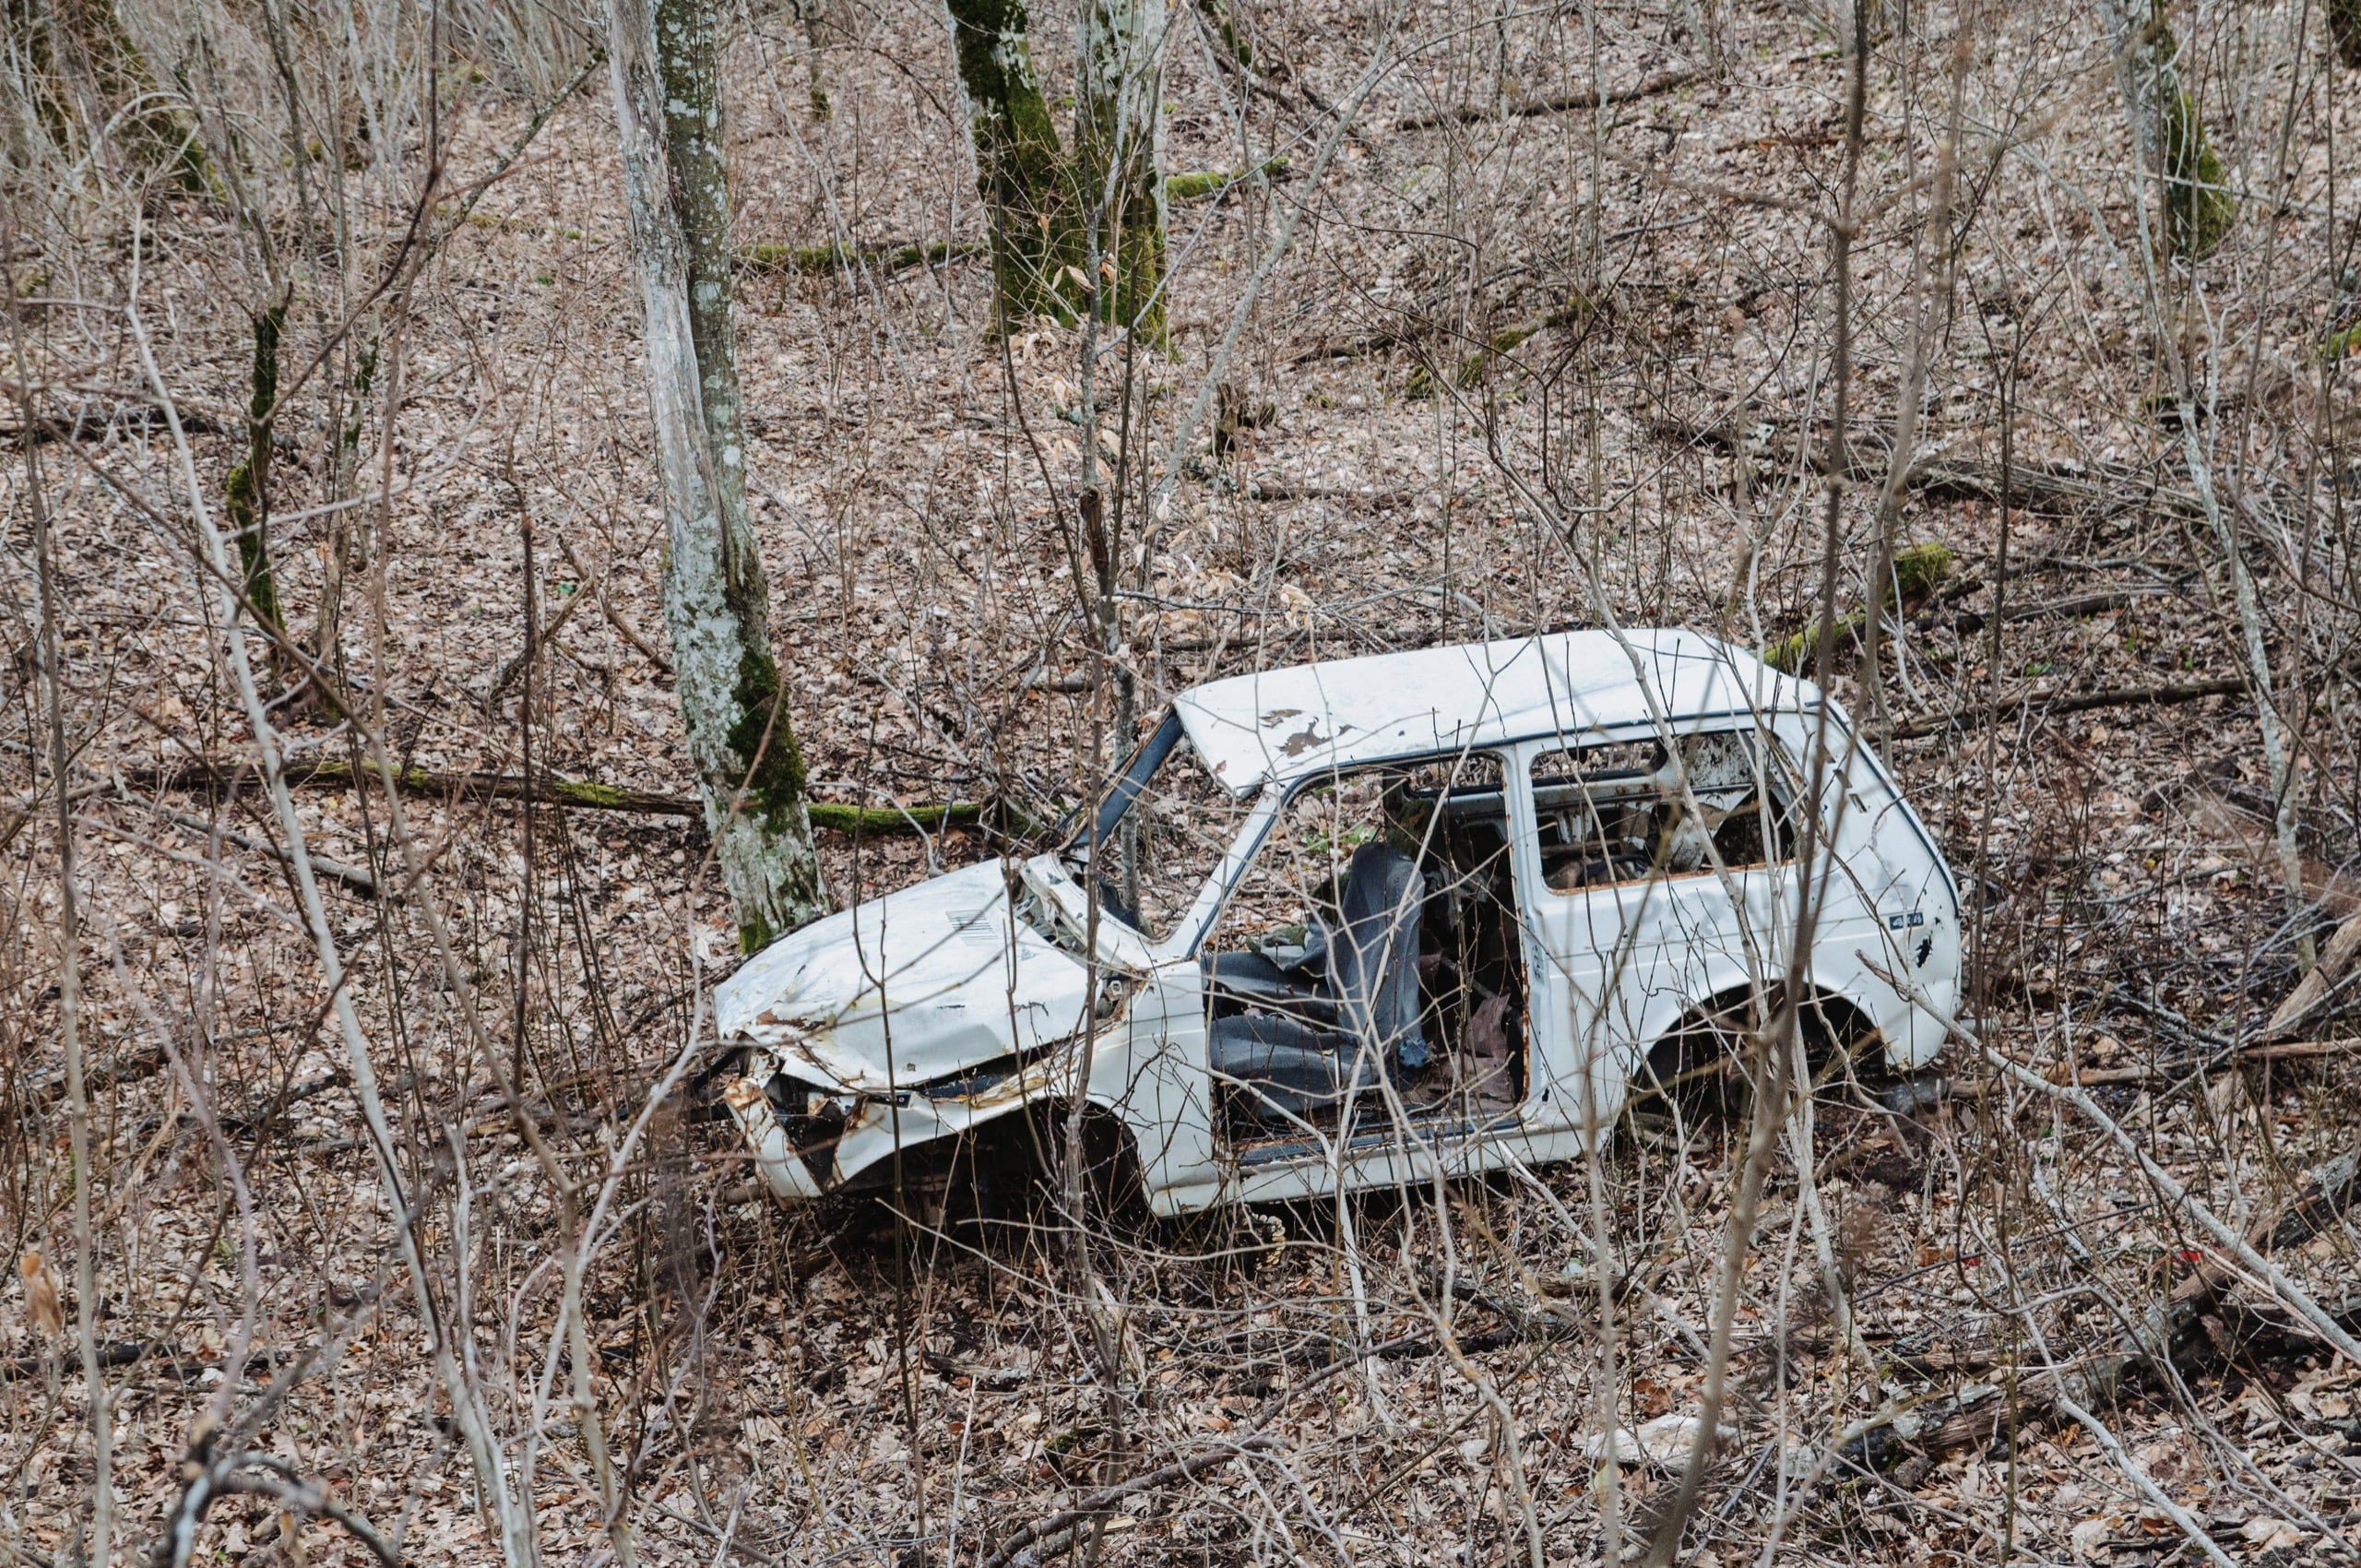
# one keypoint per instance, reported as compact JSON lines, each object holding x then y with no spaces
{"x":1029,"y":200}
{"x":247,"y":490}
{"x":1118,"y":156}
{"x":666,"y":65}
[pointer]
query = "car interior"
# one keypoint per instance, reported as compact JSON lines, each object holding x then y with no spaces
{"x":1616,"y":812}
{"x":1372,"y":945}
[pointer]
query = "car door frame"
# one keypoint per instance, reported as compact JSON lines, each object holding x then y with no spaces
{"x":1379,"y":1156}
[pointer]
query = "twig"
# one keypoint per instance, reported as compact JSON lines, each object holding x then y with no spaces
{"x":1100,"y":1502}
{"x":255,"y":1474}
{"x":587,"y":794}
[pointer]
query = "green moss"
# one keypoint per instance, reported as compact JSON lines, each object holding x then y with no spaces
{"x":2201,"y":210}
{"x":600,"y":797}
{"x":1232,"y":40}
{"x":1205,"y":181}
{"x":773,"y":769}
{"x":835,"y":818}
{"x":247,"y":491}
{"x":1021,"y":165}
{"x":2197,"y":211}
{"x":1919,"y":571}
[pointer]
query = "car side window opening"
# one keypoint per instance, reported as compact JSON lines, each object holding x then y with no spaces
{"x":1374,"y":933}
{"x":1616,"y":812}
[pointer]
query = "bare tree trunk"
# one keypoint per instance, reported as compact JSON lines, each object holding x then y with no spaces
{"x":1119,"y":155}
{"x":1020,"y":165}
{"x":247,"y":490}
{"x":749,"y":773}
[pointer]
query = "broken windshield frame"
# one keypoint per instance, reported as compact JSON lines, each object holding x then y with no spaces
{"x":1122,"y":790}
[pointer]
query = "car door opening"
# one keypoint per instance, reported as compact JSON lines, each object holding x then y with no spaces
{"x":1371,"y":946}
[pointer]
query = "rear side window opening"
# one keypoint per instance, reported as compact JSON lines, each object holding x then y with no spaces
{"x":1616,"y":812}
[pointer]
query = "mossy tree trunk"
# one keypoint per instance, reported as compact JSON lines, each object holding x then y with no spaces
{"x":666,"y":65}
{"x":83,"y":70}
{"x":1021,"y":169}
{"x":2198,"y":211}
{"x":247,"y":493}
{"x":1118,"y":156}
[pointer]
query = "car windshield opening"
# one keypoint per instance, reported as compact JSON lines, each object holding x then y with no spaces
{"x":1158,"y":831}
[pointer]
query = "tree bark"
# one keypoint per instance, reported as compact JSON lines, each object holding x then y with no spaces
{"x":247,"y":490}
{"x":1118,"y":156}
{"x":1020,"y":165}
{"x":2197,"y":211}
{"x":750,"y":774}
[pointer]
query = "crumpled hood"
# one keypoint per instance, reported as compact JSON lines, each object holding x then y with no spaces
{"x":946,"y":971}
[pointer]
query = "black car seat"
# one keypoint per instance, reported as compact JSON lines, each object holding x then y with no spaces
{"x":1299,"y":1048}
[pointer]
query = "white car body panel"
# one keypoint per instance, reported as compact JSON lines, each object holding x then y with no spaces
{"x":930,"y":1012}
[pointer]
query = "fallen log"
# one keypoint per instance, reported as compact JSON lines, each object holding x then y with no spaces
{"x":2049,"y":704}
{"x":2183,"y":1067}
{"x":1558,"y":103}
{"x":2052,"y":489}
{"x":544,"y":789}
{"x":1198,"y":183}
{"x":358,"y":879}
{"x":886,"y":256}
{"x":2314,"y":988}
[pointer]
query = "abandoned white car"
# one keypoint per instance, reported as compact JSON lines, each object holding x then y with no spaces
{"x":1359,"y":922}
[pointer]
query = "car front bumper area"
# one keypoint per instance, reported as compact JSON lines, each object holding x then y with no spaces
{"x":809,"y":1141}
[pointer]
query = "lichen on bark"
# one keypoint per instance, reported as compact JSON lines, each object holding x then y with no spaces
{"x":750,"y":775}
{"x":1118,"y":156}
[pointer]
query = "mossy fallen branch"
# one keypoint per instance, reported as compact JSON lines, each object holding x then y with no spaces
{"x":1917,"y":572}
{"x":1506,"y":341}
{"x":867,"y":820}
{"x":584,"y":793}
{"x":1211,"y":181}
{"x":1559,"y":103}
{"x":2060,"y":704}
{"x":814,"y":259}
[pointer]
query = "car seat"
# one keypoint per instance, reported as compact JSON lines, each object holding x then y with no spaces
{"x":1301,"y":1042}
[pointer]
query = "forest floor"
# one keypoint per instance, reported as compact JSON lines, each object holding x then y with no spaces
{"x":1494,"y":386}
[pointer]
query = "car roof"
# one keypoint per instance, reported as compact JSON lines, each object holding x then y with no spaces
{"x":1284,"y":724}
